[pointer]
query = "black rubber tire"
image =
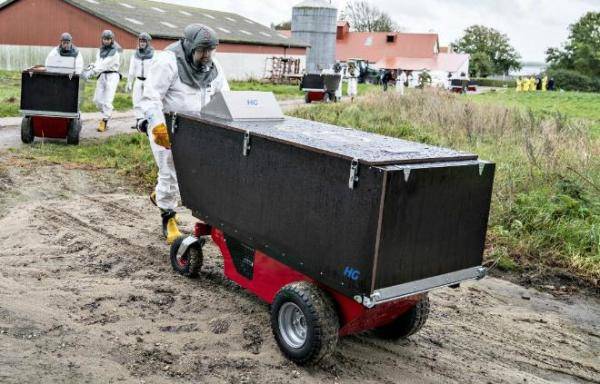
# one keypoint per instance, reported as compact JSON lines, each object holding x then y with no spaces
{"x":27,"y":136}
{"x":193,"y":257}
{"x":307,"y":98}
{"x":73,"y":132}
{"x":407,"y":324}
{"x":321,"y":319}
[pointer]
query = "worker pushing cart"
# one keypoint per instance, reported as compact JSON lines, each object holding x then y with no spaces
{"x":51,"y":95}
{"x":184,"y":77}
{"x":65,"y":57}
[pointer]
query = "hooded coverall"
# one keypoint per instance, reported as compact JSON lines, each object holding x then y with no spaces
{"x":138,"y":73}
{"x":55,"y":60}
{"x":400,"y":80}
{"x":164,"y":92}
{"x":107,"y":70}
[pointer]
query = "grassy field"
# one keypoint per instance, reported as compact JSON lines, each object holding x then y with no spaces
{"x":546,"y":205}
{"x":545,"y":218}
{"x":549,"y":104}
{"x":10,"y":93}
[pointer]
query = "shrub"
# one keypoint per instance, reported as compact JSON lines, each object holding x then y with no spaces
{"x":574,"y":81}
{"x":495,"y":83}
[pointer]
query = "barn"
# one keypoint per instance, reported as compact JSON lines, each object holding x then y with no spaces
{"x":396,"y":50}
{"x":29,"y":28}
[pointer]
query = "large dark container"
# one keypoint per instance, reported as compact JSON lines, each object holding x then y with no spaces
{"x":329,"y":82}
{"x":49,"y":93}
{"x":356,"y":211}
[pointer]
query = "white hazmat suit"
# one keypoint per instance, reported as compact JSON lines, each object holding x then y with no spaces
{"x":164,"y":92}
{"x":139,"y":70}
{"x":400,"y":80}
{"x":55,"y":61}
{"x":107,"y":70}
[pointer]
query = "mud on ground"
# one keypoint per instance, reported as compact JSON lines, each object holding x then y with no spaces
{"x":87,"y":295}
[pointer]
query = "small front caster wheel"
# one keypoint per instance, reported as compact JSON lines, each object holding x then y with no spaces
{"x":188,"y":262}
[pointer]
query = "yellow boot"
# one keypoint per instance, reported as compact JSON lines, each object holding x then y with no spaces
{"x":102,"y":126}
{"x":169,"y":224}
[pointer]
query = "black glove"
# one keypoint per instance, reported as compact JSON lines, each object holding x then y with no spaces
{"x":142,"y":126}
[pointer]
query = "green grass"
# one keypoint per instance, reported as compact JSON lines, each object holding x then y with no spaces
{"x":569,"y":104}
{"x":130,"y":155}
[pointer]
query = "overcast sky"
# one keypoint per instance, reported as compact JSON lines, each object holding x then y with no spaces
{"x":531,"y":25}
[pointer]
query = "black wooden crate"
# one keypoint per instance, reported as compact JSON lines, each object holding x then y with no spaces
{"x":415,"y":212}
{"x":49,"y":92}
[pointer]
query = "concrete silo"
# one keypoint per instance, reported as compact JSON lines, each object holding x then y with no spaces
{"x":315,"y":22}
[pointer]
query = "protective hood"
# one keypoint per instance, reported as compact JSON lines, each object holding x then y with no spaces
{"x":189,"y":74}
{"x":145,"y":54}
{"x":148,"y":52}
{"x":73,"y":52}
{"x":112,"y":48}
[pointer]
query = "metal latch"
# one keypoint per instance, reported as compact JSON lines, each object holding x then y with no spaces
{"x":353,"y":174}
{"x":174,"y":123}
{"x":247,"y":145}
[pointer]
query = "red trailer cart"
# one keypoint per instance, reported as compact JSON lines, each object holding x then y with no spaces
{"x":50,"y":105}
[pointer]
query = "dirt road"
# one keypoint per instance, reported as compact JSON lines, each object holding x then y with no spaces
{"x":87,"y":296}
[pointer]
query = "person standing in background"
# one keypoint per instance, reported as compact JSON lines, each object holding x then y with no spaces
{"x":400,"y":82}
{"x":139,"y":67}
{"x":106,"y":67}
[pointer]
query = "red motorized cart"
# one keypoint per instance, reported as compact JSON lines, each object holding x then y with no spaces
{"x":341,"y":231}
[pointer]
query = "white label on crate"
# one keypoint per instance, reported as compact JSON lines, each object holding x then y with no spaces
{"x":244,"y":105}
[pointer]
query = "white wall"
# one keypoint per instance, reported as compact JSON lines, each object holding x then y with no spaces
{"x":243,"y":66}
{"x":237,"y":66}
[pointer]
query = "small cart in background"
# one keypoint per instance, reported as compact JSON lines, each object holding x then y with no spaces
{"x":320,"y":87}
{"x":50,"y":105}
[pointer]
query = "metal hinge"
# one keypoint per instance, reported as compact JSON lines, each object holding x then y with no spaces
{"x":174,"y":123}
{"x":247,"y":145}
{"x":353,"y":174}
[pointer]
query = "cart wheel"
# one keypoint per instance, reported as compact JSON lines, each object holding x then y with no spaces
{"x":190,"y":262}
{"x":73,"y":132}
{"x":304,"y":322}
{"x":407,"y":324}
{"x":27,"y":130}
{"x":307,"y":98}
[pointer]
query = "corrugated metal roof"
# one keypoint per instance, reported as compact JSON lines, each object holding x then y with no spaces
{"x":167,"y":21}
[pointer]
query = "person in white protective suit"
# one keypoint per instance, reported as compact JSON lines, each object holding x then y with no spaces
{"x":352,"y":81}
{"x":183,"y":78}
{"x":139,"y":67}
{"x":400,"y":82}
{"x":337,"y":69}
{"x":65,"y":57}
{"x":106,"y":68}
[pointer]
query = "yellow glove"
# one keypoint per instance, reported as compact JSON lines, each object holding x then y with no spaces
{"x":161,"y":136}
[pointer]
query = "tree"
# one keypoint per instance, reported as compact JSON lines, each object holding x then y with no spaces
{"x":480,"y":41}
{"x":480,"y":65}
{"x":364,"y":17}
{"x":581,"y":52}
{"x":283,"y":26}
